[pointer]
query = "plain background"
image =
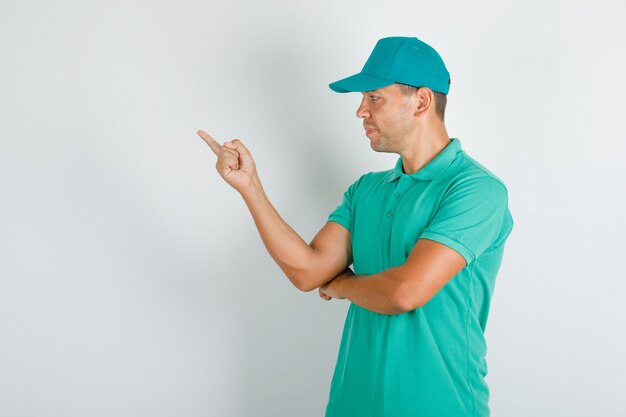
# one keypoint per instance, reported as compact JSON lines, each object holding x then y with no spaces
{"x":132,"y":278}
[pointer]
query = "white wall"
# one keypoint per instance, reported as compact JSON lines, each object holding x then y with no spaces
{"x":132,"y":279}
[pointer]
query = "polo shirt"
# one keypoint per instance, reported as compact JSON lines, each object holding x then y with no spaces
{"x":428,"y":362}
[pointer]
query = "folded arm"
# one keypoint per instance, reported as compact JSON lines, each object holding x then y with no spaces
{"x":429,"y":266}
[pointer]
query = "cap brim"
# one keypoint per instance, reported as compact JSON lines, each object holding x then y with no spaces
{"x":358,"y":83}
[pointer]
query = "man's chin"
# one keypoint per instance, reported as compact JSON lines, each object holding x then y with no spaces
{"x":376,"y":147}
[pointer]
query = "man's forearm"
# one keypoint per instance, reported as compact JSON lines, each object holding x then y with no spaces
{"x":377,"y":292}
{"x":292,"y":254}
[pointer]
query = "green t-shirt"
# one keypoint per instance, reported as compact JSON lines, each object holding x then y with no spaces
{"x":428,"y":362}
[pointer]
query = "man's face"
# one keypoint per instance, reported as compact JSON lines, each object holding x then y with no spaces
{"x":387,"y":118}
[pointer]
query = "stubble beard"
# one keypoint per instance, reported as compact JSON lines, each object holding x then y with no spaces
{"x":383,"y":144}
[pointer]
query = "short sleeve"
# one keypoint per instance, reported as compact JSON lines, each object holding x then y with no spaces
{"x":343,"y":214}
{"x":472,"y":217}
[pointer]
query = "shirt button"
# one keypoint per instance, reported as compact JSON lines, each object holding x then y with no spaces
{"x":388,"y":214}
{"x":396,"y":195}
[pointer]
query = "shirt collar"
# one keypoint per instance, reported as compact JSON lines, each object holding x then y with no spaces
{"x":432,"y":169}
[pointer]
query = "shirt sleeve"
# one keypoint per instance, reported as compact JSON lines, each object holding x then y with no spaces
{"x":473,"y":217}
{"x":343,"y":214}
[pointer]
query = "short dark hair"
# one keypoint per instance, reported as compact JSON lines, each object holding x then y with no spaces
{"x":440,"y":99}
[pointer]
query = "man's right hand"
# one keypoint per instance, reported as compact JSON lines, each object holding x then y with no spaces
{"x":234,"y":162}
{"x":307,"y":266}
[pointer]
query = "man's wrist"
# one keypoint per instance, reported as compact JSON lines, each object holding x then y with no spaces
{"x":252,"y":191}
{"x":343,"y":283}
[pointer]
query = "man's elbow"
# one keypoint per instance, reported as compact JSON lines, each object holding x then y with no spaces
{"x":409,"y":301}
{"x":406,"y":306}
{"x":304,"y":281}
{"x":304,"y":286}
{"x":298,"y":281}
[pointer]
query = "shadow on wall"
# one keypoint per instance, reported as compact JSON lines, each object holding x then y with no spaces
{"x":279,"y":324}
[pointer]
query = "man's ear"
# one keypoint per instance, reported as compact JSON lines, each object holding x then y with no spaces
{"x":425,"y":98}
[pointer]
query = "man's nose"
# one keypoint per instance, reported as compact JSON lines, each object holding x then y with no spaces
{"x":362,"y":112}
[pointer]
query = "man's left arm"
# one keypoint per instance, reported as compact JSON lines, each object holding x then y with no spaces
{"x":429,"y":266}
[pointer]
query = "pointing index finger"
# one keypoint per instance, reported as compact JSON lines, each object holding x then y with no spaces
{"x":213,"y":144}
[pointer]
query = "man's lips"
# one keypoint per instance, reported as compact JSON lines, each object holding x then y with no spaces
{"x":369,"y":129}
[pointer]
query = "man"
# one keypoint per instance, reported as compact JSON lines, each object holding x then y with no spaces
{"x":426,"y":239}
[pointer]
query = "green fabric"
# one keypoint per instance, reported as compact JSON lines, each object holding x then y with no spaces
{"x":428,"y":362}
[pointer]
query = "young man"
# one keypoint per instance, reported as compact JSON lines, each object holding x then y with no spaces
{"x":426,"y":240}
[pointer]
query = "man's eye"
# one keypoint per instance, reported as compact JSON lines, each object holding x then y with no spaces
{"x":373,"y":98}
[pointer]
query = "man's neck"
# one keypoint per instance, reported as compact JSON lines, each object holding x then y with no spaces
{"x":424,"y":148}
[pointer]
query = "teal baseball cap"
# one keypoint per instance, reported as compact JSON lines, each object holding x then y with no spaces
{"x":402,"y":60}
